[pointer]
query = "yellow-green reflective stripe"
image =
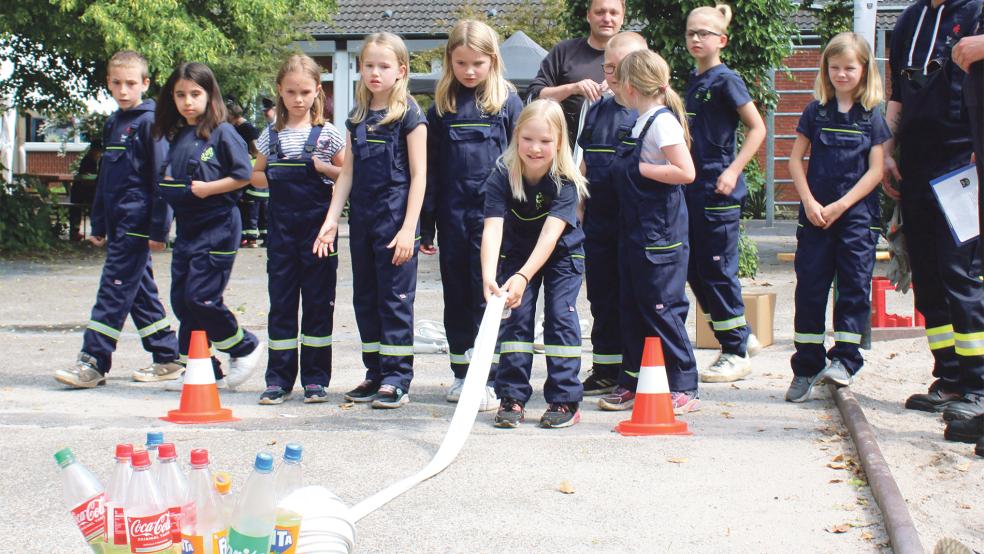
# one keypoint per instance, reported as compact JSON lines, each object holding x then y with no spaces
{"x":370,"y":347}
{"x":931,"y":331}
{"x":875,"y":228}
{"x":153,"y":328}
{"x":629,"y":143}
{"x":691,"y":114}
{"x":258,"y":193}
{"x":459,"y":358}
{"x":602,"y":150}
{"x":541,"y":216}
{"x":395,"y":350}
{"x":173,"y":185}
{"x":222,"y":252}
{"x":315,"y":342}
{"x":228,"y":343}
{"x":138,"y":235}
{"x":729,"y":324}
{"x":562,"y":351}
{"x":606,"y":359}
{"x":512,"y":347}
{"x":721,"y":208}
{"x":104,"y":329}
{"x":833,"y":130}
{"x":183,"y":359}
{"x":668,"y":247}
{"x":969,"y":344}
{"x":470,"y":125}
{"x":844,"y":336}
{"x":632,"y":374}
{"x":376,"y":141}
{"x":283,"y":344}
{"x":808,"y":338}
{"x":116,"y":148}
{"x":944,"y":341}
{"x":286,"y":164}
{"x":251,"y":233}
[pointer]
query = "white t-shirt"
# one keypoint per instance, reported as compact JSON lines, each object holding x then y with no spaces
{"x":665,"y":131}
{"x":292,"y":141}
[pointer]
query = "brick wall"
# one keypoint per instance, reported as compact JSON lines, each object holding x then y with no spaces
{"x":50,"y":162}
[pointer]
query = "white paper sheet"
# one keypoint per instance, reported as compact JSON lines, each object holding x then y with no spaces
{"x":957,"y":194}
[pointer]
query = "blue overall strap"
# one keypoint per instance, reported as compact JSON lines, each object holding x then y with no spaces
{"x":360,"y":132}
{"x":652,"y":118}
{"x":312,"y":142}
{"x":275,"y":150}
{"x":193,"y":161}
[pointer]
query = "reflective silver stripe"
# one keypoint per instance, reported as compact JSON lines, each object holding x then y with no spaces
{"x":729,"y":324}
{"x":459,"y":358}
{"x":154,"y":327}
{"x":283,"y":344}
{"x":315,"y":342}
{"x":808,"y":338}
{"x":370,"y":347}
{"x":104,"y":329}
{"x":562,"y":351}
{"x":231,"y":341}
{"x":183,"y":359}
{"x":603,"y":359}
{"x":969,"y":344}
{"x":395,"y":350}
{"x":512,"y":347}
{"x":940,"y":337}
{"x":844,"y":336}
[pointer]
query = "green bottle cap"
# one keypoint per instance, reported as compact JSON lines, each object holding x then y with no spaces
{"x":64,"y":457}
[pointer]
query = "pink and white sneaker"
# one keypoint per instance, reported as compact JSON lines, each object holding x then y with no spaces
{"x":685,"y":402}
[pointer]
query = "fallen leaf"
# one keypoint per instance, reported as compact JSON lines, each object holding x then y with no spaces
{"x":962,"y":467}
{"x":789,"y":428}
{"x":347,"y":405}
{"x":566,"y":487}
{"x":867,"y":536}
{"x":892,"y":355}
{"x":271,"y":443}
{"x":677,"y":460}
{"x":836,"y":481}
{"x":840,"y":528}
{"x":964,"y":506}
{"x":836,"y":466}
{"x":854,"y":481}
{"x":838,"y":458}
{"x":727,"y":415}
{"x":734,"y":386}
{"x":825,"y":417}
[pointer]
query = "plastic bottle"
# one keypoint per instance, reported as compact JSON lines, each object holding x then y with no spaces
{"x":202,"y":529}
{"x":154,"y":440}
{"x":223,"y":488}
{"x":116,"y":539}
{"x":85,"y":498}
{"x":174,"y":487}
{"x":289,"y":477}
{"x":147,"y":520}
{"x":252,"y":523}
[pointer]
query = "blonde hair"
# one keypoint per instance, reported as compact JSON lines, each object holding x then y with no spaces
{"x":129,"y":58}
{"x":870,"y":92}
{"x":627,"y":39}
{"x":491,"y":94}
{"x":563,"y":166}
{"x":720,"y":13}
{"x":305,"y":65}
{"x":648,"y":73}
{"x":398,"y":102}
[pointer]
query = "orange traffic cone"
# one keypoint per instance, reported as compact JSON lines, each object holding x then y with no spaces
{"x":199,"y":396}
{"x":652,"y":413}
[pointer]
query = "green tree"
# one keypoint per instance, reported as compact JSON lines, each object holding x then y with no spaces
{"x":59,"y":48}
{"x":834,"y":16}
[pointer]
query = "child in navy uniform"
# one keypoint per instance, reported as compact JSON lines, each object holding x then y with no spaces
{"x":299,"y":156}
{"x":129,"y":218}
{"x":469,"y":127}
{"x":839,"y":219}
{"x":532,"y":237}
{"x":386,"y":176}
{"x":716,"y":100}
{"x":206,"y":167}
{"x":606,"y":123}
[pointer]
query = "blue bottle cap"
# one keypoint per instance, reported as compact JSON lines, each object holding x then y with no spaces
{"x":264,"y":462}
{"x":293,"y":451}
{"x":155,"y":438}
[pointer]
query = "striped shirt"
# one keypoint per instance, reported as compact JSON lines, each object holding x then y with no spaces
{"x":292,"y":143}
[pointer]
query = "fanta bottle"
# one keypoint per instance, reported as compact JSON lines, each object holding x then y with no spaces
{"x":85,"y":498}
{"x":252,"y":524}
{"x":174,"y":487}
{"x":116,"y":540}
{"x":202,"y":531}
{"x":147,"y":521}
{"x":223,"y":488}
{"x":289,"y":477}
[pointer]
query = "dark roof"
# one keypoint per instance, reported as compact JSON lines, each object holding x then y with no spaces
{"x":888,"y":13}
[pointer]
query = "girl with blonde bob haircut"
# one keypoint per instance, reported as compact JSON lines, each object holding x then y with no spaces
{"x":871,"y":93}
{"x":494,"y":90}
{"x":305,"y":65}
{"x":649,"y":76}
{"x":397,"y":105}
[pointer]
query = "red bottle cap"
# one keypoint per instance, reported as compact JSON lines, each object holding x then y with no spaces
{"x":140,"y":459}
{"x":124,"y":451}
{"x":199,"y":457}
{"x":166,"y":451}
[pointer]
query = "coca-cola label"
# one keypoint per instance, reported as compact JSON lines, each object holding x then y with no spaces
{"x":119,"y":526}
{"x":149,"y":533}
{"x":175,"y":513}
{"x":90,"y":517}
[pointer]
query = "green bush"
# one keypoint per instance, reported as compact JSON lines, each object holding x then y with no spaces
{"x":29,"y":219}
{"x":748,"y":259}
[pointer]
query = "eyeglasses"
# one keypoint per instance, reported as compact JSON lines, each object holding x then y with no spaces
{"x":609,"y":68}
{"x":916,"y":73}
{"x":701,"y":34}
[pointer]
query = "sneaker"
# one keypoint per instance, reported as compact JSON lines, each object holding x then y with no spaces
{"x":969,"y":406}
{"x":964,"y":430}
{"x":274,"y":395}
{"x":158,"y":372}
{"x":314,"y":394}
{"x":597,"y":385}
{"x":800,"y":388}
{"x":365,"y":392}
{"x":685,"y":402}
{"x":490,"y":400}
{"x":727,"y":368}
{"x":936,"y":400}
{"x":390,"y":397}
{"x":510,"y":414}
{"x":560,"y":415}
{"x":752,"y":345}
{"x":241,"y":368}
{"x":454,"y":393}
{"x":619,"y":399}
{"x":177,"y":385}
{"x":82,"y":375}
{"x":836,"y":373}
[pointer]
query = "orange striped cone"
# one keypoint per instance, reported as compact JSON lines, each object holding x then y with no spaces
{"x":652,"y":413}
{"x":199,"y":396}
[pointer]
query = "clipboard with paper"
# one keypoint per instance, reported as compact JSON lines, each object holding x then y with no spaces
{"x":957,"y":194}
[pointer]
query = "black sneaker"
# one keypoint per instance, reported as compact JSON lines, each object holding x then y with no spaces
{"x":559,"y":415}
{"x":964,"y":430}
{"x":598,"y":384}
{"x":365,"y":392}
{"x":390,"y":397}
{"x":968,"y":407}
{"x":934,"y":401}
{"x":510,"y":414}
{"x":274,"y":395}
{"x":314,"y":394}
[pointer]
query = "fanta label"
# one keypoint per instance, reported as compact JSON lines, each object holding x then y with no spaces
{"x":149,"y":533}
{"x":192,"y":544}
{"x":220,"y":542}
{"x":284,"y":539}
{"x":90,"y":517}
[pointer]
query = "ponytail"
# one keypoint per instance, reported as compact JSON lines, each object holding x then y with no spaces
{"x":649,"y":74}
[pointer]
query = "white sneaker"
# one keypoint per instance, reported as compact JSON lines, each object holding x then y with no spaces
{"x":240,"y":369}
{"x":176,"y":385}
{"x":727,"y":368}
{"x":490,"y":401}
{"x":752,"y":345}
{"x":454,"y":393}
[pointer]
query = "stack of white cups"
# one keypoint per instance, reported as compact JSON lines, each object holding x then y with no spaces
{"x":325,"y":524}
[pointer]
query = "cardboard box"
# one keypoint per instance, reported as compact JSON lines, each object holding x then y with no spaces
{"x":760,"y":310}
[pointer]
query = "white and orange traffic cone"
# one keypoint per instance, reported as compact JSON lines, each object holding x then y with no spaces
{"x":199,"y":396}
{"x":652,"y":413}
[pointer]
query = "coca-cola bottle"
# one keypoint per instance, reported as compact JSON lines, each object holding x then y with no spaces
{"x":116,"y":540}
{"x":147,"y":521}
{"x":85,"y":498}
{"x":173,"y":485}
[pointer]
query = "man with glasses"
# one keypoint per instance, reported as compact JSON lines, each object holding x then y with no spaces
{"x":927,"y":119}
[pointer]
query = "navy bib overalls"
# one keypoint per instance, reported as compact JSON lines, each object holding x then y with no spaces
{"x":607,"y":123}
{"x":653,"y":251}
{"x":299,"y":200}
{"x":383,"y":293}
{"x":127,"y":284}
{"x":846,"y":251}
